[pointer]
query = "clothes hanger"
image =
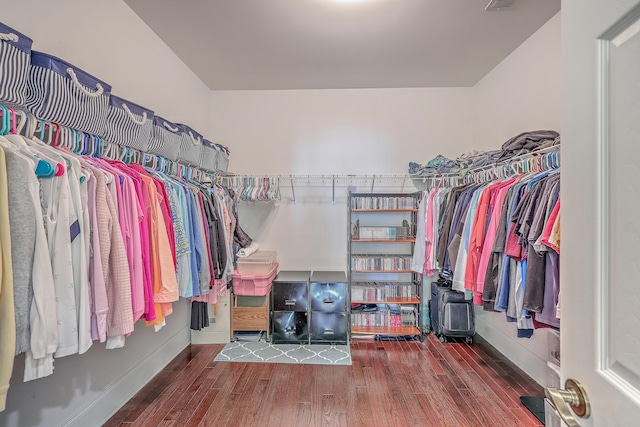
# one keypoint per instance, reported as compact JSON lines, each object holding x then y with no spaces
{"x":27,"y":121}
{"x":107,"y":151}
{"x":4,"y":129}
{"x":40,"y":130}
{"x":70,"y":139}
{"x":91,"y":151}
{"x":40,"y":167}
{"x":95,"y":146}
{"x":122,"y":152}
{"x":264,"y":187}
{"x":255,"y":188}
{"x":23,"y":122}
{"x":81,"y":142}
{"x":46,"y":133}
{"x":64,"y":140}
{"x":260,"y":184}
{"x":12,"y":120}
{"x":44,"y":165}
{"x":32,"y":123}
{"x":56,"y":135}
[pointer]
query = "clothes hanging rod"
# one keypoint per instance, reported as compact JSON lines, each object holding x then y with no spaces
{"x":514,"y":159}
{"x":331,"y":177}
{"x":399,"y":178}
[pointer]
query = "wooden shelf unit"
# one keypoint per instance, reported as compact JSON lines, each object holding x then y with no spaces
{"x":357,"y":248}
{"x":249,"y":318}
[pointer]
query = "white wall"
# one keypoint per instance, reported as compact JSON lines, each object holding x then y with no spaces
{"x":380,"y":131}
{"x":332,"y":131}
{"x":522,"y":93}
{"x":362,"y":131}
{"x":108,"y":40}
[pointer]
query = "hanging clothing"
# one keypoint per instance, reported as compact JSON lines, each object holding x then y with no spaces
{"x":494,"y":239}
{"x":7,"y":311}
{"x":22,"y":222}
{"x":98,"y":245}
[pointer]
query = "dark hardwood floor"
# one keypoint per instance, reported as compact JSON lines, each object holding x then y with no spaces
{"x":390,"y":383}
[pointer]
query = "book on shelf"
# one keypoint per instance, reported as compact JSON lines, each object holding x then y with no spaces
{"x":381,"y":262}
{"x":392,"y":316}
{"x":383,"y":203}
{"x":371,"y":233}
{"x":380,"y":291}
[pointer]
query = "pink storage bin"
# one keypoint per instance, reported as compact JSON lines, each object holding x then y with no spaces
{"x":258,"y":285}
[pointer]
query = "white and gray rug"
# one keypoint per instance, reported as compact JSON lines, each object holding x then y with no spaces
{"x":317,"y":354}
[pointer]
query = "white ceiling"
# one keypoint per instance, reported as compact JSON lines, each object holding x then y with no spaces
{"x":336,"y":44}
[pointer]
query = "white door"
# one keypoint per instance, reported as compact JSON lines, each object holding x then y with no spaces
{"x":600,"y":249}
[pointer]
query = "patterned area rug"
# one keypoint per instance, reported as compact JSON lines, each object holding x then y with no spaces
{"x":317,"y":354}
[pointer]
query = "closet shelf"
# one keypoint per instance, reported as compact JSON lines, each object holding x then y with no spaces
{"x":383,"y":210}
{"x":385,"y":330}
{"x":400,"y":301}
{"x":410,"y":240}
{"x":382,"y":271}
{"x":390,"y":300}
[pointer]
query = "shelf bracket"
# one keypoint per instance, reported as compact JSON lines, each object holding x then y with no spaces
{"x":293,"y":191}
{"x":373,"y":181}
{"x":333,"y":190}
{"x":403,"y":182}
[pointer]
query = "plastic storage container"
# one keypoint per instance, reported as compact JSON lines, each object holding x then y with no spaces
{"x":258,"y":263}
{"x":254,"y":285}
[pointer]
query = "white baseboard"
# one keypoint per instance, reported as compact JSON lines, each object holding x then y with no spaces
{"x":124,"y":388}
{"x":516,"y":349}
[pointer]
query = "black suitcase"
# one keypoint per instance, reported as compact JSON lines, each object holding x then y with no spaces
{"x":451,"y":314}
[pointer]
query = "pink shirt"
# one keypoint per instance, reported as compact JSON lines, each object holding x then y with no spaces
{"x":552,"y":224}
{"x":168,"y":218}
{"x":476,"y":241}
{"x":490,"y":238}
{"x":166,"y":289}
{"x":114,"y":262}
{"x":99,"y":302}
{"x":145,"y":254}
{"x":130,"y":216}
{"x":429,"y":262}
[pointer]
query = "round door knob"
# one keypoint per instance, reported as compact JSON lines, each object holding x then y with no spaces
{"x":573,"y":397}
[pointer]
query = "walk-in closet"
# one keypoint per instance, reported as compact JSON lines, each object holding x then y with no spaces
{"x":319,"y":213}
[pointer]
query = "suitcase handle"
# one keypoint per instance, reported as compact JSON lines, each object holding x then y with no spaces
{"x":290,"y":329}
{"x":289,"y":302}
{"x":328,"y":331}
{"x":328,"y":302}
